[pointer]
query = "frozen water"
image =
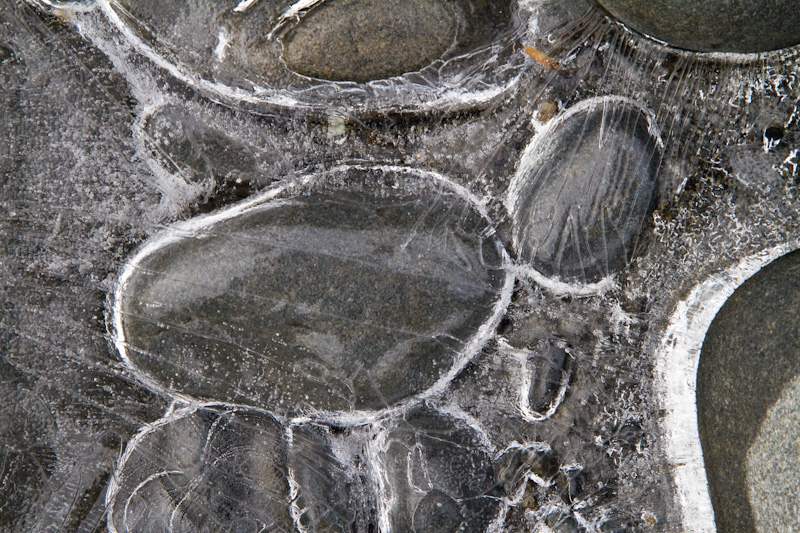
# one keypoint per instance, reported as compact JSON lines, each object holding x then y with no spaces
{"x":561,"y":400}
{"x":578,"y":208}
{"x":351,"y":291}
{"x":211,"y":468}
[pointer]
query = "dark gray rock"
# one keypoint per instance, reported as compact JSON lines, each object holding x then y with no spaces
{"x":750,"y":353}
{"x":713,"y":26}
{"x":585,"y":189}
{"x":441,"y":478}
{"x":355,"y":292}
{"x":364,"y":40}
{"x":213,"y":469}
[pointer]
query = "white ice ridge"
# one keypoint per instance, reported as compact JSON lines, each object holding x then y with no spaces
{"x":677,"y":360}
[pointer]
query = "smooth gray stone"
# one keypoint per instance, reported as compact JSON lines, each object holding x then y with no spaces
{"x":750,"y":353}
{"x":713,"y":25}
{"x":772,"y":465}
{"x":355,"y":293}
{"x":364,"y":40}
{"x":586,"y":188}
{"x":435,"y":462}
{"x":215,"y":469}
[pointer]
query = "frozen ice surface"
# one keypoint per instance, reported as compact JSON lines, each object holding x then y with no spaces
{"x":570,"y":407}
{"x":578,"y":208}
{"x":351,"y":291}
{"x":283,"y":53}
{"x":213,"y":468}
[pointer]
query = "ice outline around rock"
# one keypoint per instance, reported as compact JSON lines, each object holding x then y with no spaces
{"x":534,"y":151}
{"x":677,"y":359}
{"x":198,"y":224}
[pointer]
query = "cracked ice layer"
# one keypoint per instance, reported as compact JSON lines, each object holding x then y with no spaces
{"x":439,"y":477}
{"x":578,"y":208}
{"x":408,"y":56}
{"x":217,"y":467}
{"x":350,"y":291}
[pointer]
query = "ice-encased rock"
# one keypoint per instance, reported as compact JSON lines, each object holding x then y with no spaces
{"x":356,"y":290}
{"x":749,"y":355}
{"x":335,"y":490}
{"x":439,"y":476}
{"x":214,"y":468}
{"x":364,"y":40}
{"x":714,"y":25}
{"x":584,"y":189}
{"x":259,"y":54}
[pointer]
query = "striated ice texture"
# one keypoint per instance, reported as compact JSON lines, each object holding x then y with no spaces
{"x":578,"y":208}
{"x":355,"y":292}
{"x":253,"y":270}
{"x":215,"y":468}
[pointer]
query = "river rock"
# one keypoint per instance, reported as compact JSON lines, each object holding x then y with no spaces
{"x":749,"y":356}
{"x":353,"y":292}
{"x":584,"y":190}
{"x":715,"y":25}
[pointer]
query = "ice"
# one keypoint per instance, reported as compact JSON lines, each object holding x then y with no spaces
{"x":604,"y":190}
{"x":149,"y":150}
{"x":348,"y":292}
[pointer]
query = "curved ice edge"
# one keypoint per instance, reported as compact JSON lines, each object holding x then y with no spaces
{"x":538,"y":147}
{"x":677,"y":359}
{"x":444,"y":97}
{"x":736,"y":58}
{"x":197,"y":224}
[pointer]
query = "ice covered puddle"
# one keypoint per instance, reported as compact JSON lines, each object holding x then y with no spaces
{"x":348,"y":291}
{"x":584,"y":189}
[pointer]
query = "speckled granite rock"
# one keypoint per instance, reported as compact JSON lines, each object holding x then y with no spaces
{"x":751,"y":352}
{"x":714,"y":26}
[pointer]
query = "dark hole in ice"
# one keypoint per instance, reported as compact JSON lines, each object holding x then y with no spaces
{"x":549,"y":376}
{"x":713,"y":25}
{"x":750,"y":354}
{"x":217,"y":468}
{"x":774,"y":133}
{"x":356,"y":292}
{"x":585,"y":190}
{"x":364,"y":40}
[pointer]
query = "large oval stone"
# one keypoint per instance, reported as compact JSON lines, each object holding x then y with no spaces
{"x":713,"y":25}
{"x":584,"y":189}
{"x":363,"y":40}
{"x":215,"y":465}
{"x":750,"y":355}
{"x":352,"y":292}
